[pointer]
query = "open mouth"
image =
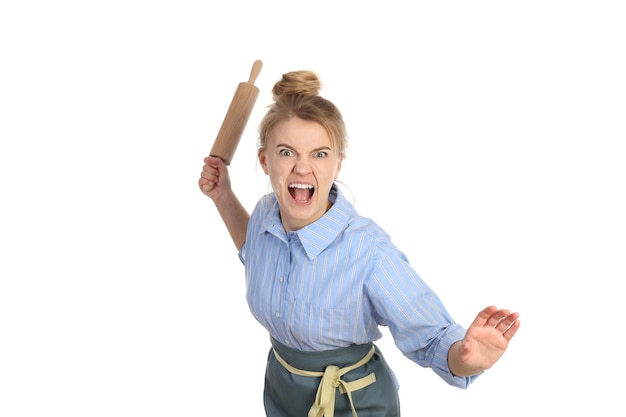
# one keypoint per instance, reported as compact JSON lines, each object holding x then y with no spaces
{"x":302,"y":193}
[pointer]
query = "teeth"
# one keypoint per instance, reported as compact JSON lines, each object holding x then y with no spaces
{"x":302,"y":186}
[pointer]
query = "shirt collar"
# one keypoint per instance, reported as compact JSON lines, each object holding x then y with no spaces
{"x":318,"y":235}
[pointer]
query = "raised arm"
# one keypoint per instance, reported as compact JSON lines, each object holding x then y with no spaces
{"x":231,"y":210}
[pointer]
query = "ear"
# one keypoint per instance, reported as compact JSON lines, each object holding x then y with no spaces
{"x":338,"y":167}
{"x":262,"y":160}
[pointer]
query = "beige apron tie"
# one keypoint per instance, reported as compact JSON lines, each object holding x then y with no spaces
{"x":331,"y":380}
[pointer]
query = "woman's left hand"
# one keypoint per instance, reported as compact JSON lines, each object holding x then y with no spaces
{"x":485,"y":341}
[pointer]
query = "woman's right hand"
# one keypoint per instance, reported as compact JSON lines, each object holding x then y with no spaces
{"x":214,"y":178}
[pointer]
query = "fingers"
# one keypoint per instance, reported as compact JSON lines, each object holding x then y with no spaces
{"x":496,"y":318}
{"x":500,"y":319}
{"x":512,"y":329}
{"x":210,"y":173}
{"x":504,"y":321}
{"x":483,"y":317}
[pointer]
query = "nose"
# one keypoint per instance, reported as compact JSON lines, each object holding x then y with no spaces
{"x":302,"y":167}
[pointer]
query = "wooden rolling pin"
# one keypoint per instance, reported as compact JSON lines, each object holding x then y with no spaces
{"x":236,"y":119}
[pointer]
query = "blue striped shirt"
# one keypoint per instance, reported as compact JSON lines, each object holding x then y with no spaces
{"x":332,"y":284}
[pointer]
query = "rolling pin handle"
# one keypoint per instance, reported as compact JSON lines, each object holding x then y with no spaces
{"x":256,"y":69}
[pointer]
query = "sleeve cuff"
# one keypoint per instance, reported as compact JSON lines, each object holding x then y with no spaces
{"x":440,"y":364}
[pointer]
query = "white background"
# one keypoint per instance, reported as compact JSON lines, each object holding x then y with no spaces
{"x":487,"y":138}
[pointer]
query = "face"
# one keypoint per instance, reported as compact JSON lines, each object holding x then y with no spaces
{"x":302,"y":165}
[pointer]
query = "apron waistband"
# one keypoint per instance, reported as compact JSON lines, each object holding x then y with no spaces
{"x":331,"y":380}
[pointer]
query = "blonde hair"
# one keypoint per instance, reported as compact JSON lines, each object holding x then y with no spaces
{"x":296,"y":94}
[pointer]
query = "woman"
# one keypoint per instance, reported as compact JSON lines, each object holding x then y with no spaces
{"x":322,"y":279}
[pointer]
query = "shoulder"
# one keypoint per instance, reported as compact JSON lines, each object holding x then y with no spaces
{"x":368,"y":232}
{"x":264,"y":213}
{"x":265,"y":205}
{"x":357,"y":223}
{"x":381,"y":245}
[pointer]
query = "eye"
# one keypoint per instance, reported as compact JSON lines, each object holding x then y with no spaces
{"x":285,"y":152}
{"x":320,"y":154}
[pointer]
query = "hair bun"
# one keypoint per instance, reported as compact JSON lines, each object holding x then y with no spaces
{"x":301,"y":82}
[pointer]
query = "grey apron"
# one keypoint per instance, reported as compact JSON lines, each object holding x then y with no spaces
{"x":368,"y":390}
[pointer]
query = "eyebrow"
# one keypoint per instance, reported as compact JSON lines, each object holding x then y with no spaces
{"x":321,"y":148}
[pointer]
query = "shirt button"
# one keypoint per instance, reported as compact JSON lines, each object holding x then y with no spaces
{"x":280,"y":279}
{"x":277,"y":314}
